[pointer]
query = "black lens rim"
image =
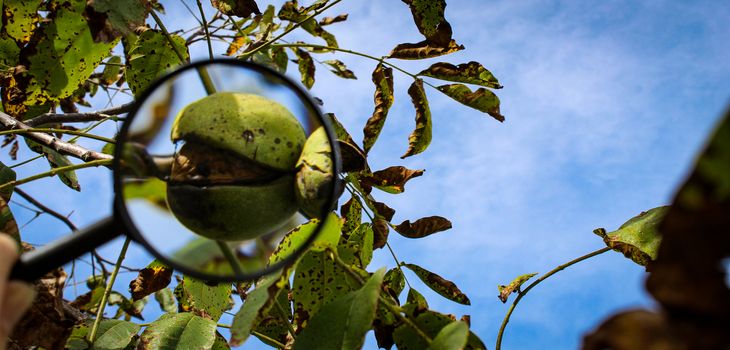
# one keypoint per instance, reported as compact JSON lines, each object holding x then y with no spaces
{"x":121,"y":209}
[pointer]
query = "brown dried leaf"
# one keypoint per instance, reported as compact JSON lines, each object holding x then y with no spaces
{"x":471,"y":73}
{"x":381,"y":209}
{"x":634,"y":330}
{"x":330,"y":20}
{"x":340,"y":69}
{"x":380,"y":233}
{"x":482,"y":99}
{"x":420,"y":138}
{"x":150,"y":279}
{"x":440,"y":285}
{"x":423,"y":227}
{"x":383,"y":80}
{"x":392,"y":179}
{"x":353,"y":158}
{"x":306,"y":67}
{"x":423,"y":50}
{"x":240,"y":8}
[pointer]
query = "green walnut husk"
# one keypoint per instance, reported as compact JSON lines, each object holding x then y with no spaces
{"x":315,"y":174}
{"x":232,"y":178}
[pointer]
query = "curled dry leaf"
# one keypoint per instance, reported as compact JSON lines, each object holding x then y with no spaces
{"x":440,"y":285}
{"x":423,"y":50}
{"x":470,"y":73}
{"x":423,"y":227}
{"x":383,"y":80}
{"x":330,"y":20}
{"x":514,"y":286}
{"x":391,"y":179}
{"x":150,"y":279}
{"x":420,"y":138}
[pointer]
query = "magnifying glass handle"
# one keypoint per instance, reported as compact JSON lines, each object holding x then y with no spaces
{"x":35,"y":264}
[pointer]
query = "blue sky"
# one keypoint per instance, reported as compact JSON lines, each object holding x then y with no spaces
{"x":606,"y":105}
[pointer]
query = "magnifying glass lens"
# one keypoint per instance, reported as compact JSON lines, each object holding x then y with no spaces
{"x":212,"y":181}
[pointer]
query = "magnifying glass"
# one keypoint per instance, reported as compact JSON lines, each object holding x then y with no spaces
{"x":215,"y":163}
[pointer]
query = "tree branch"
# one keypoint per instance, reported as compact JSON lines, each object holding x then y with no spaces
{"x":80,"y":117}
{"x":52,"y":142}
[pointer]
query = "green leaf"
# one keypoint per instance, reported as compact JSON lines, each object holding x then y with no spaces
{"x":340,"y":69}
{"x":275,"y":58}
{"x":9,"y":52}
{"x":151,"y":189}
{"x":452,"y":337}
{"x":482,"y":99}
{"x":383,"y":80}
{"x":57,"y":160}
{"x":257,"y":304}
{"x":123,"y":15}
{"x":126,"y":306}
{"x":317,"y":281}
{"x":220,"y":343}
{"x":114,"y":334}
{"x":6,"y":175}
{"x":328,"y":238}
{"x":176,"y":331}
{"x":152,"y":278}
{"x":438,"y":284}
{"x":638,"y":239}
{"x":395,"y":282}
{"x":431,"y":323}
{"x":420,"y":138}
{"x":470,"y":73}
{"x":429,"y":18}
{"x":343,"y":323}
{"x":203,"y":299}
{"x":20,"y":18}
{"x":151,"y":56}
{"x":514,"y":286}
{"x":423,"y":50}
{"x":306,"y":67}
{"x":351,"y":212}
{"x":77,"y":339}
{"x":392,"y":179}
{"x":423,"y":227}
{"x":240,"y":8}
{"x":415,"y":303}
{"x":358,"y":248}
{"x":64,"y":56}
{"x":166,"y":298}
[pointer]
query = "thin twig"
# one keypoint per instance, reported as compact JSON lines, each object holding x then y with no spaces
{"x":80,"y":117}
{"x":58,"y":131}
{"x":55,"y":171}
{"x":108,"y":290}
{"x":522,"y":293}
{"x":52,"y":142}
{"x":205,"y":27}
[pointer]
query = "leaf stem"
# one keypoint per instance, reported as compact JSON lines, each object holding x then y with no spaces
{"x":202,"y":72}
{"x":57,"y":131}
{"x":108,"y":290}
{"x":522,"y":293}
{"x":205,"y":27}
{"x":55,"y":171}
{"x":285,"y":317}
{"x":231,"y":257}
{"x":289,"y":30}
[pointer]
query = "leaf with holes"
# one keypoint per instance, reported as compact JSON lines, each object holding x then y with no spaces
{"x":470,"y":73}
{"x":183,"y":330}
{"x":383,"y":80}
{"x":423,"y":227}
{"x":638,"y":239}
{"x":202,"y":298}
{"x":420,"y":138}
{"x":343,"y":323}
{"x":423,"y":50}
{"x":392,"y":179}
{"x":514,"y":286}
{"x":340,"y":69}
{"x":151,"y":56}
{"x":438,"y":284}
{"x":482,"y":99}
{"x":150,"y":279}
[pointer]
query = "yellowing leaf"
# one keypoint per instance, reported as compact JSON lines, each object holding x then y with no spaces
{"x":236,"y":45}
{"x":383,"y":80}
{"x":20,"y":18}
{"x":471,"y":73}
{"x":423,"y":50}
{"x":440,"y":285}
{"x":420,"y":138}
{"x":514,"y":286}
{"x":638,"y":239}
{"x":423,"y":227}
{"x":151,"y":56}
{"x":482,"y":99}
